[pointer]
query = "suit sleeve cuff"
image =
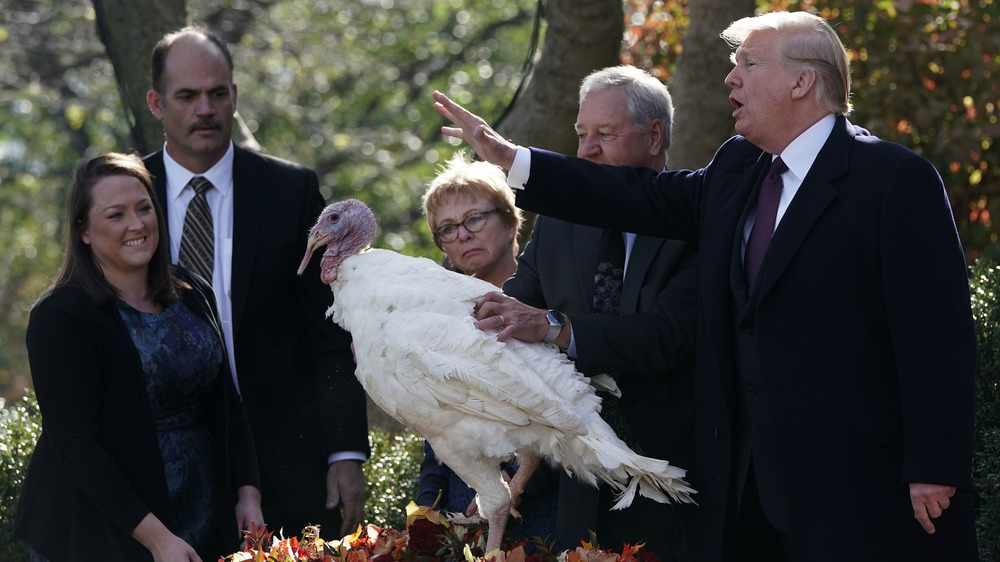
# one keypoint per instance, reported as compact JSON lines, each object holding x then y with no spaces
{"x":571,"y":350}
{"x":347,"y":455}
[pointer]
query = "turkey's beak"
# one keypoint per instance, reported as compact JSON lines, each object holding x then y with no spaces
{"x":317,"y":238}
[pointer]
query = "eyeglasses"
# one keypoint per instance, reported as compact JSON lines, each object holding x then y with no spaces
{"x":472,"y":223}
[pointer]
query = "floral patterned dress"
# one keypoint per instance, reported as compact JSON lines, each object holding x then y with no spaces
{"x":181,"y":357}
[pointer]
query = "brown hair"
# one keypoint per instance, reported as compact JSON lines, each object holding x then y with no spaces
{"x":79,"y":267}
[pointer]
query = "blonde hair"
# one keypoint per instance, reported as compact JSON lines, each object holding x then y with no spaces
{"x":806,"y":42}
{"x":460,"y":177}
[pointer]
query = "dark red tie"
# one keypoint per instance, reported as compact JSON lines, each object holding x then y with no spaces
{"x":763,"y":226}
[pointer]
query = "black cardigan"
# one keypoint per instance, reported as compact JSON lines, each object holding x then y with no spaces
{"x":96,"y":470}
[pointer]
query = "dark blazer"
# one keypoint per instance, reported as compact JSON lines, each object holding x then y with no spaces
{"x":96,"y":471}
{"x":850,"y":372}
{"x":651,"y":344}
{"x":295,"y":367}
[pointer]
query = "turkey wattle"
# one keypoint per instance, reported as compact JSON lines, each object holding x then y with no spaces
{"x":478,"y":401}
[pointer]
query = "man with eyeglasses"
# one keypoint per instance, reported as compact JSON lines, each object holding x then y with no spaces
{"x":639,"y":329}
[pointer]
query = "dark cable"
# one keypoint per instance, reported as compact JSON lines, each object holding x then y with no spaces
{"x":130,"y":114}
{"x":529,"y":63}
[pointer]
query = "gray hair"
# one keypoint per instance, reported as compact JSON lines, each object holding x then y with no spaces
{"x":646,"y":97}
{"x":807,"y":42}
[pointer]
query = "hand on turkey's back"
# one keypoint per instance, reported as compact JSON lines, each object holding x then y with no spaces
{"x":478,"y":401}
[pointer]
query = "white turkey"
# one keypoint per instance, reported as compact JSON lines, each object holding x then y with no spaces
{"x":476,"y":400}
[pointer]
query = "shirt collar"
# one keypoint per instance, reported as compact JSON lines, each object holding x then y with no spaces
{"x":800,"y":154}
{"x":221,"y":174}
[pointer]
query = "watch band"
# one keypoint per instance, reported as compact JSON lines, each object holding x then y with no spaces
{"x":556,"y":322}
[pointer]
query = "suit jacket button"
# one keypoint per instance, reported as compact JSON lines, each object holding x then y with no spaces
{"x":751,"y":391}
{"x":746,"y":332}
{"x":716,"y":433}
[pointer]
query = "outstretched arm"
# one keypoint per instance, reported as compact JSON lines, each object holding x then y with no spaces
{"x":471,"y":128}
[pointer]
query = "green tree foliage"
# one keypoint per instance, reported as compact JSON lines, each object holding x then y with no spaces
{"x":391,"y":476}
{"x":20,"y":425}
{"x":985,"y":289}
{"x":57,"y":103}
{"x":654,"y":35}
{"x":345,"y":87}
{"x":338,"y":85}
{"x":926,"y":74}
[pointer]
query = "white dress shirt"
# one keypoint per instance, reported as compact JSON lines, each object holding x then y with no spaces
{"x":220,"y":202}
{"x":799,"y":156}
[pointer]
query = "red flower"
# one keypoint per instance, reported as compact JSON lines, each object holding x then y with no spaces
{"x":424,"y":537}
{"x":645,"y":556}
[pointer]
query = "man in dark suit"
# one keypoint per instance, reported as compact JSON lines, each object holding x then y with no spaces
{"x":624,"y":118}
{"x":294,"y":369}
{"x":834,"y":399}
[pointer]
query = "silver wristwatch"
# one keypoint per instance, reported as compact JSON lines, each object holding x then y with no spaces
{"x":556,"y":321}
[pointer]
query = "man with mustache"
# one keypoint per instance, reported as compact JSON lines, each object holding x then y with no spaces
{"x":639,"y":327}
{"x":293,"y":368}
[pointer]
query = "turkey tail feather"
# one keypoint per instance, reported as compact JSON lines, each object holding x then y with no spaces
{"x":627,"y":472}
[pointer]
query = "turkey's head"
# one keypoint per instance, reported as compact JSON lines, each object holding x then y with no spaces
{"x":345,"y":228}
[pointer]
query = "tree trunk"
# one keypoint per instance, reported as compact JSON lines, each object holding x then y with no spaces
{"x":129,"y":30}
{"x":582,"y":36}
{"x":703,"y":116}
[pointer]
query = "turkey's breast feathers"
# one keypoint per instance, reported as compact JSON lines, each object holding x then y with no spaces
{"x":421,"y":358}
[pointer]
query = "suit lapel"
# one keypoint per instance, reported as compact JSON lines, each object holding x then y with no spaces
{"x":644,"y":250}
{"x":247,"y":208}
{"x":737,"y":273}
{"x":721,"y":224}
{"x":814,"y":196}
{"x":585,"y":241}
{"x":156,"y":167}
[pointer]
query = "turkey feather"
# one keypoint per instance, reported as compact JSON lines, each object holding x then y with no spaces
{"x":478,"y":401}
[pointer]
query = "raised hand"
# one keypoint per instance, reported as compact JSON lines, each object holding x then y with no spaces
{"x":471,"y":128}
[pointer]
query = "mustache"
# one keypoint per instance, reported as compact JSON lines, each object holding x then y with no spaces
{"x":205,"y":124}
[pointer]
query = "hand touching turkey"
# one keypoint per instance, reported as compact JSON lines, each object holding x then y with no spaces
{"x":478,"y":401}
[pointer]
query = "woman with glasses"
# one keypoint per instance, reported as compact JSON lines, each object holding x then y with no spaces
{"x":471,"y":214}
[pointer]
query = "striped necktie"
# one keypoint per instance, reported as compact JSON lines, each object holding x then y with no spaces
{"x":197,"y":251}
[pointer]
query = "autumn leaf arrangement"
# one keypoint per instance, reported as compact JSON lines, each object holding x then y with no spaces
{"x":429,"y":537}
